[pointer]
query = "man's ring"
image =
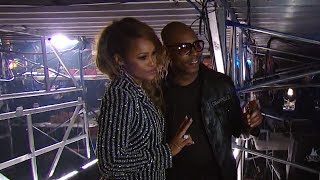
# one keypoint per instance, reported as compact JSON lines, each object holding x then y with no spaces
{"x":185,"y":136}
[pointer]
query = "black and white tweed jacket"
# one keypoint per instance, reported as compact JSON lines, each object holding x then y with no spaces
{"x":131,"y":143}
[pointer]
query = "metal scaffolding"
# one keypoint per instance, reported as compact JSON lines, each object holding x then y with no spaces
{"x":80,"y":109}
{"x":239,"y":50}
{"x":217,"y":20}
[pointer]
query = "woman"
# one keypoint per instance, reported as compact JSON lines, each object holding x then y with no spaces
{"x":130,"y":141}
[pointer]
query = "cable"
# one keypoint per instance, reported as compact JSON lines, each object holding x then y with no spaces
{"x":57,"y":74}
{"x":7,"y":80}
{"x":32,"y":76}
{"x":249,"y":17}
{"x":248,"y":12}
{"x":198,"y":18}
{"x":198,"y":2}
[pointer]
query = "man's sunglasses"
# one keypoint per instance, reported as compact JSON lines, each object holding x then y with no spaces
{"x":185,"y":48}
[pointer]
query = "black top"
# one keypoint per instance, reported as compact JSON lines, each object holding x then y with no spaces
{"x":195,"y":161}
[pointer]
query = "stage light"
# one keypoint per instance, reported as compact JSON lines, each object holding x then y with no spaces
{"x":237,"y":61}
{"x":89,"y":164}
{"x":289,"y":103}
{"x":290,"y":92}
{"x":69,"y":175}
{"x":12,"y":64}
{"x":249,"y":62}
{"x":61,"y":42}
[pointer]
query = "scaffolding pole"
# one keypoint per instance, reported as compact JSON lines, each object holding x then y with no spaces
{"x":63,"y":65}
{"x":248,"y":89}
{"x":45,"y":63}
{"x":270,"y":32}
{"x":38,"y":93}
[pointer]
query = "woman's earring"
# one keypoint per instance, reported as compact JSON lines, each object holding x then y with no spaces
{"x":170,"y":63}
{"x":121,"y":69}
{"x":118,"y":61}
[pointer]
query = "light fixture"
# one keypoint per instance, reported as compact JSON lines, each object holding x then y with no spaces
{"x":89,"y":164}
{"x":61,"y":42}
{"x":69,"y":175}
{"x":289,"y":103}
{"x":290,"y":92}
{"x":12,"y":65}
{"x":249,"y":62}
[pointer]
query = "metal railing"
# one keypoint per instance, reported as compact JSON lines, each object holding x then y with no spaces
{"x":20,"y":112}
{"x":80,"y":108}
{"x":235,"y":146}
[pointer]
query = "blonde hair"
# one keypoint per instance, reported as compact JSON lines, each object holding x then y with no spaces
{"x":116,"y":39}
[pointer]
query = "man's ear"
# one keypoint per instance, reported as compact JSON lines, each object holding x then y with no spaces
{"x":118,"y":59}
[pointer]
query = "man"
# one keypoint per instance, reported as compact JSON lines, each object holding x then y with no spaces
{"x":209,"y":98}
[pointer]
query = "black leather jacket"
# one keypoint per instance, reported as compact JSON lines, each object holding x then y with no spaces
{"x":222,"y":117}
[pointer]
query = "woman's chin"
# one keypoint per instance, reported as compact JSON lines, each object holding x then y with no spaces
{"x":150,"y":78}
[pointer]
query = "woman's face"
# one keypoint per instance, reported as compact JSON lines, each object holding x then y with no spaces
{"x":140,"y":60}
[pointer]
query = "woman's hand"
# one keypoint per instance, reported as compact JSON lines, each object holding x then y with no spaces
{"x":181,"y":139}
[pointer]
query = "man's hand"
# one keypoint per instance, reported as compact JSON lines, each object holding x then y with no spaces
{"x":253,"y":114}
{"x":254,"y":119}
